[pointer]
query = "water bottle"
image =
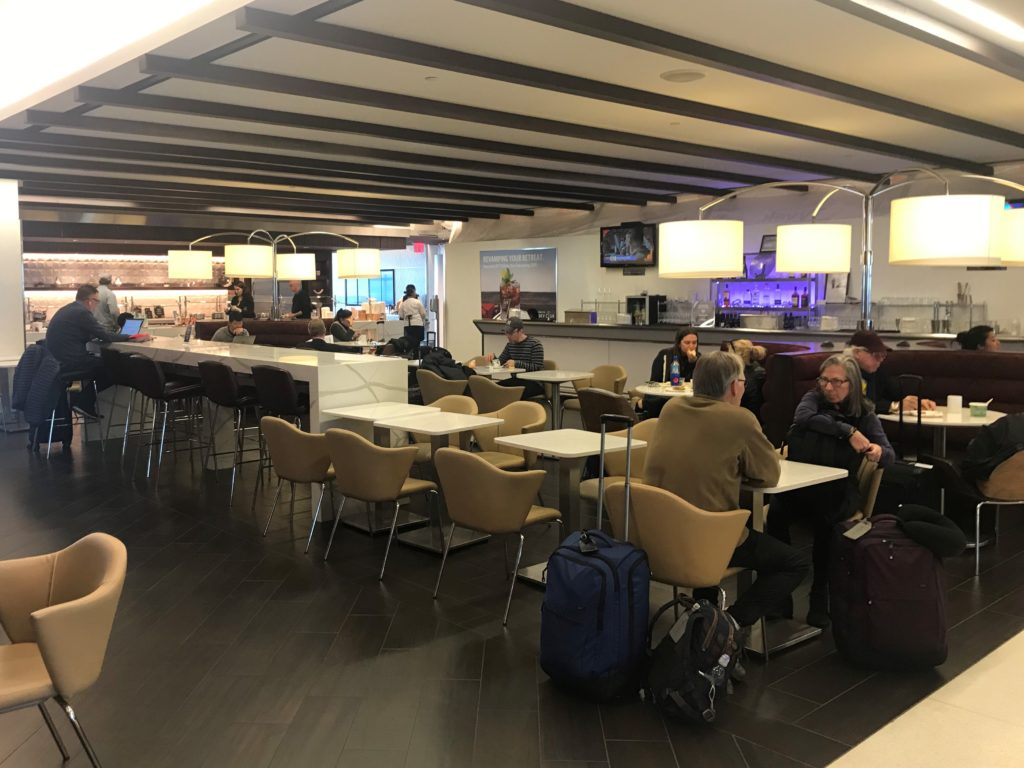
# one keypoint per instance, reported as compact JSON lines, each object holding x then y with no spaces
{"x":674,"y":375}
{"x":718,"y":671}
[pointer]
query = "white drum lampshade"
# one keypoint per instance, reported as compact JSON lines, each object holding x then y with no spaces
{"x":249,"y":260}
{"x":296,"y":266}
{"x":946,"y":230}
{"x":813,"y":248}
{"x":358,"y":262}
{"x":190,"y":265}
{"x":1011,"y":241}
{"x":700,"y":248}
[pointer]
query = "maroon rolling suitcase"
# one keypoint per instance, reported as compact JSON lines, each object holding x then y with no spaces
{"x":887,"y":604}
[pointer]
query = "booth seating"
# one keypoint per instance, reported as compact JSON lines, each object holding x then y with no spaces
{"x":269,"y":333}
{"x":974,"y":375}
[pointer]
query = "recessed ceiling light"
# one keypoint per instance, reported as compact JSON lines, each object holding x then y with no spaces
{"x":986,"y":17}
{"x":682,"y":75}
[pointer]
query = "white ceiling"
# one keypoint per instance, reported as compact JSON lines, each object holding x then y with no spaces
{"x":497,"y":156}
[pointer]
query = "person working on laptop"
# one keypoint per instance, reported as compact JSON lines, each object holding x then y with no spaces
{"x":228,"y":333}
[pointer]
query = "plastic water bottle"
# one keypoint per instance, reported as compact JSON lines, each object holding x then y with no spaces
{"x":718,"y":671}
{"x":674,"y":374}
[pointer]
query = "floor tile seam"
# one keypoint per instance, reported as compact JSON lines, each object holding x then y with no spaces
{"x":768,"y":749}
{"x":739,"y":749}
{"x":798,"y":724}
{"x":25,"y":741}
{"x":934,"y":698}
{"x":604,"y":738}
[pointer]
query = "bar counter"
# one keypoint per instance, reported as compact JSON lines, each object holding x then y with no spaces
{"x":578,"y":346}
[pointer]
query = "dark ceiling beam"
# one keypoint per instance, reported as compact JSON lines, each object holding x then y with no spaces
{"x":234,"y":112}
{"x":21,"y":140}
{"x":313,"y":199}
{"x":370,"y":191}
{"x":318,"y":89}
{"x":239,"y":138}
{"x":614,"y":29}
{"x":421,"y":54}
{"x":979,"y":51}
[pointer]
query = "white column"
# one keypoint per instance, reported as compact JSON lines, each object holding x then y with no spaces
{"x":12,"y":274}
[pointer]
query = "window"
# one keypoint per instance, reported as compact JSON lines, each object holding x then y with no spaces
{"x":378,"y":288}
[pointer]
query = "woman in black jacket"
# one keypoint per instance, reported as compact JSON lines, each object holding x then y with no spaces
{"x":685,"y":351}
{"x":242,"y":303}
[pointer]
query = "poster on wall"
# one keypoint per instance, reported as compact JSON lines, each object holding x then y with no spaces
{"x":518,"y":283}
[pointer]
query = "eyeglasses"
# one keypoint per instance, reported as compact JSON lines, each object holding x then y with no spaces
{"x":879,"y":356}
{"x":835,"y":383}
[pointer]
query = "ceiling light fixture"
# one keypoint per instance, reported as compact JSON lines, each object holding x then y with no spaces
{"x":682,"y":75}
{"x":986,"y":17}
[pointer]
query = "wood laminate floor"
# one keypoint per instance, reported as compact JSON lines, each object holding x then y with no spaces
{"x":234,"y":650}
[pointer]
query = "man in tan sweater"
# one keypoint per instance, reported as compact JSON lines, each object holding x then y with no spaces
{"x":703,"y":448}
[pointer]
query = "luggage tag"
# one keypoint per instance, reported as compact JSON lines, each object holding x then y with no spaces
{"x":586,"y":545}
{"x":858,"y":529}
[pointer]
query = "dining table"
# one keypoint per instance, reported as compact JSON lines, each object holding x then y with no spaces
{"x":943,"y":419}
{"x":557,"y":378}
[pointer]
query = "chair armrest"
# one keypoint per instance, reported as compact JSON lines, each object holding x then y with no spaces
{"x":24,"y":589}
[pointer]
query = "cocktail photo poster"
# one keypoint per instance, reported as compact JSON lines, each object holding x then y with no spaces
{"x":522,"y":279}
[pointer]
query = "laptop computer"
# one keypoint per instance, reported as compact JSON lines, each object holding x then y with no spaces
{"x":244,"y":340}
{"x":132,"y":326}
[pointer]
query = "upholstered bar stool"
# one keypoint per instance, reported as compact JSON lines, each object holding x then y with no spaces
{"x":220,"y":386}
{"x":148,"y":378}
{"x":278,"y":396}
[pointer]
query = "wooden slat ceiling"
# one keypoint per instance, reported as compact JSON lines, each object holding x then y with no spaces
{"x":350,"y":113}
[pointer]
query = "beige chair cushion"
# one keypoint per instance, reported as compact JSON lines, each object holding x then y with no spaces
{"x":299,"y":457}
{"x":1006,"y":482}
{"x":589,"y":487}
{"x":542,"y":515}
{"x":383,"y":472}
{"x":502,"y":460}
{"x":434,"y":387}
{"x":447,"y":404}
{"x":23,"y":676}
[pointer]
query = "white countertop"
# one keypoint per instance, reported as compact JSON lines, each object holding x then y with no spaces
{"x":440,"y":423}
{"x":567,"y":443}
{"x":252,"y":353}
{"x":373,"y":412}
{"x":946,"y":418}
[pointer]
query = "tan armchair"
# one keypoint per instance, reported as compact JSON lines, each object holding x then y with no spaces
{"x":611,"y":378}
{"x":299,"y":457}
{"x":595,"y":402}
{"x":57,"y":610}
{"x":384,"y":477}
{"x":615,"y":462}
{"x":434,"y":387}
{"x":492,"y":500}
{"x":520,"y":418}
{"x":491,"y":397}
{"x":448,"y":404}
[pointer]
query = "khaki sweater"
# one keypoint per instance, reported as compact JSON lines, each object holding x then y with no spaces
{"x":702,"y":450}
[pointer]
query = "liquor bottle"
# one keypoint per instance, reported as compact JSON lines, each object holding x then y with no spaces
{"x":805,"y":299}
{"x":674,"y":375}
{"x":188,"y":330}
{"x":778,"y":296}
{"x":794,"y":299}
{"x":755,"y":298}
{"x":725,"y":296}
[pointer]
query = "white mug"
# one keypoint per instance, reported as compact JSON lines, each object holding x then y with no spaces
{"x":954,"y":403}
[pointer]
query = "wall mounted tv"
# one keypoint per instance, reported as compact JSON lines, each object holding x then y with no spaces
{"x":633,"y":244}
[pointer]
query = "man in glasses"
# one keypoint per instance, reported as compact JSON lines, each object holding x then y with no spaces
{"x":521,"y":351}
{"x":868,"y":349}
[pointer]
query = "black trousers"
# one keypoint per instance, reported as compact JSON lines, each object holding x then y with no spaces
{"x":92,"y":371}
{"x":415,"y":334}
{"x":780,"y":569}
{"x":814,"y":508}
{"x":532,"y":388}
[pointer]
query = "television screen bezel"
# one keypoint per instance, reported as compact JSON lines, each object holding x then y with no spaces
{"x":630,"y":225}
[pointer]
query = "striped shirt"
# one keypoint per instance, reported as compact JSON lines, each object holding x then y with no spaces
{"x":528,"y":354}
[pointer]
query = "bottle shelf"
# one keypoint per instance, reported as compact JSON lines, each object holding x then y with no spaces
{"x":733,"y":308}
{"x":763,"y":280}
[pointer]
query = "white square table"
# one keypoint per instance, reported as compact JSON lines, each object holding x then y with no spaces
{"x":439,"y":426}
{"x":571,"y":447}
{"x":492,"y":371}
{"x":371,"y":413}
{"x":558,"y":378}
{"x":795,"y":474}
{"x":943,"y":420}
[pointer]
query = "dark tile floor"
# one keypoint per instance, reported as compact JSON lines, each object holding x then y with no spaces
{"x":234,"y":650}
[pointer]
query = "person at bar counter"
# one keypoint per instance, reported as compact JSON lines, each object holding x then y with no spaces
{"x":341,"y":328}
{"x":521,"y":351}
{"x":73,"y":326}
{"x":241,"y":303}
{"x":980,"y":337}
{"x":318,"y":340}
{"x":228,"y":333}
{"x":412,"y":312}
{"x":302,"y":305}
{"x":107,"y":311}
{"x":686,"y":351}
{"x":703,"y":448}
{"x":868,"y":349}
{"x":835,"y":424}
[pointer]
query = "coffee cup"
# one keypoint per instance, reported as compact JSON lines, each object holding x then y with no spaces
{"x":954,"y":403}
{"x":979,"y":410}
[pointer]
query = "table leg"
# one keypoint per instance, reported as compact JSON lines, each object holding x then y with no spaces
{"x":939,"y":441}
{"x":569,"y":472}
{"x":556,"y":405}
{"x":431,"y":537}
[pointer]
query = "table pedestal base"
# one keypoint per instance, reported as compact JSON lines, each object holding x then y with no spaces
{"x":378,"y":520}
{"x":430,"y":539}
{"x":782,"y":634}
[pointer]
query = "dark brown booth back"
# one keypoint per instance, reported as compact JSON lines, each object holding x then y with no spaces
{"x":270,"y":333}
{"x":974,"y":375}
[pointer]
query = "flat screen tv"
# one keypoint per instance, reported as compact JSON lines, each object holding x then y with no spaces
{"x":629,"y":245}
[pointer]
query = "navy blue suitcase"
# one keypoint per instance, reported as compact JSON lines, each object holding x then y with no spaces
{"x":594,"y":616}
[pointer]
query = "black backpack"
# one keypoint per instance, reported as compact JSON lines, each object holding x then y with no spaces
{"x":690,"y":667}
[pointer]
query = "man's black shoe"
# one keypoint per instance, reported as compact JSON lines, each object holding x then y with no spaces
{"x":87,"y":412}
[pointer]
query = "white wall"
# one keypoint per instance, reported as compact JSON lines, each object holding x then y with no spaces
{"x":12,"y":307}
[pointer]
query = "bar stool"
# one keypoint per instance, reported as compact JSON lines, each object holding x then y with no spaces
{"x":277,"y":396}
{"x":62,"y":404}
{"x":221,"y":388}
{"x":116,"y":364}
{"x":148,"y":378}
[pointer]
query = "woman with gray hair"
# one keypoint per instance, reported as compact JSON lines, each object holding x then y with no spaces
{"x":833,"y":420}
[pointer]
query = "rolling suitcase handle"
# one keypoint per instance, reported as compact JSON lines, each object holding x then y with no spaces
{"x":614,"y":418}
{"x":910,"y":384}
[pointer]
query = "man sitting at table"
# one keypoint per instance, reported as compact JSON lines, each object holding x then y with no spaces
{"x":521,"y":351}
{"x":318,"y":340}
{"x":228,"y":333}
{"x":703,"y":448}
{"x":868,"y":349}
